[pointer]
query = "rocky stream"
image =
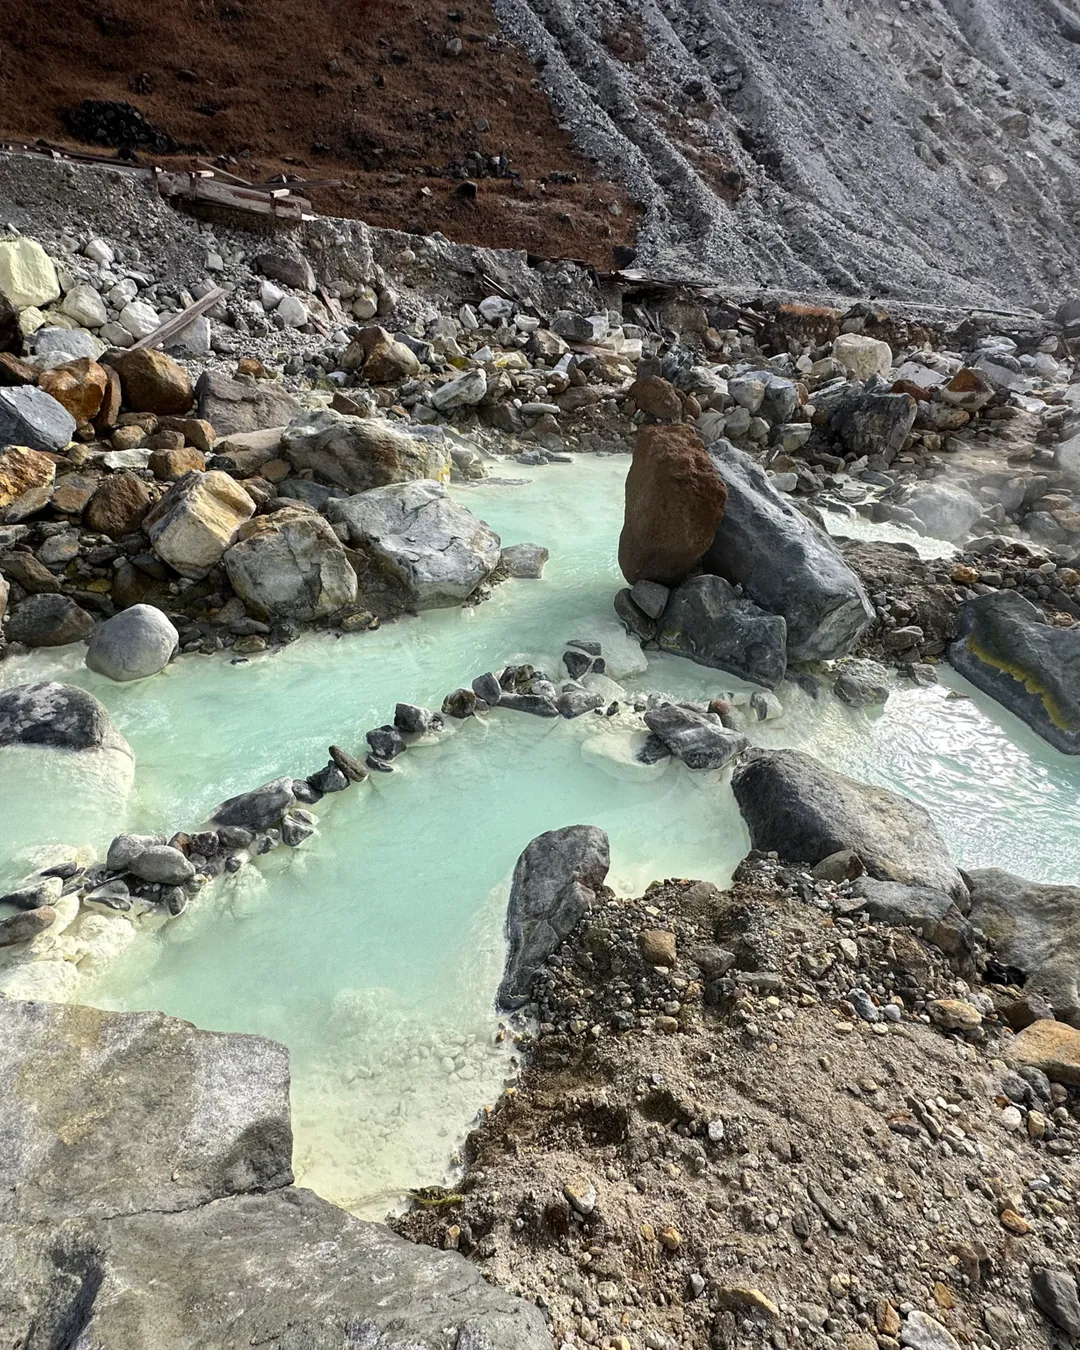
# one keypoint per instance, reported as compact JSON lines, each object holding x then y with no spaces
{"x":579,"y":774}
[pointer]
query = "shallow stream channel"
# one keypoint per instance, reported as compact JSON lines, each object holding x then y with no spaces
{"x":374,"y":950}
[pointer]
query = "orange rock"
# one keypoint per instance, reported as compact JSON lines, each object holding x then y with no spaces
{"x":79,"y":386}
{"x":1053,"y":1047}
{"x":22,"y":469}
{"x":169,"y":464}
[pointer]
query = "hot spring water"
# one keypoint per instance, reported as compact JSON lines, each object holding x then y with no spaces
{"x":374,"y":950}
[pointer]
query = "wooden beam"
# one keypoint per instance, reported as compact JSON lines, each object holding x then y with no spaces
{"x":171,"y":327}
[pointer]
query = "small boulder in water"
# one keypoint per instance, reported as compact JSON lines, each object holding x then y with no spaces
{"x":794,"y":804}
{"x":57,"y":716}
{"x":525,"y":561}
{"x":554,"y":882}
{"x":1006,"y":648}
{"x":257,"y":810}
{"x":132,"y":645}
{"x":700,"y":740}
{"x":861,"y":683}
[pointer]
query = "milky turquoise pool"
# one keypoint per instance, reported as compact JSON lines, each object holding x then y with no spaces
{"x":374,"y":950}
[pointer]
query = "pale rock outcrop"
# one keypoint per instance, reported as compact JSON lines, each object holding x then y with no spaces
{"x":290,"y":565}
{"x":197,"y":520}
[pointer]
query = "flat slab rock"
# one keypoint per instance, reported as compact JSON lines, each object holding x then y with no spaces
{"x":145,"y":1180}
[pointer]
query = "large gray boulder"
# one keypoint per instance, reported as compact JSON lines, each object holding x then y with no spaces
{"x":57,"y":716}
{"x":119,"y":1113}
{"x":31,"y":417}
{"x":290,"y":565}
{"x":784,"y":563}
{"x":792,"y":803}
{"x":145,"y":1200}
{"x":1034,"y":926}
{"x":1006,"y":648}
{"x":555,"y":882}
{"x":233,"y":406}
{"x":423,"y":538}
{"x":706,"y":621}
{"x":360,"y":453}
{"x":132,"y":645}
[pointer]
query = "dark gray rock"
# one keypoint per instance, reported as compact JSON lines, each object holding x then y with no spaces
{"x":708,"y":622}
{"x":525,"y":562}
{"x":573,"y":703}
{"x":349,"y":765}
{"x":650,"y":597}
{"x":417,"y":721}
{"x":234,"y":406}
{"x":459,"y":704}
{"x":784,"y":563}
{"x":330,"y":779}
{"x":861,"y":683}
{"x":25,"y":925}
{"x":1034,"y":926}
{"x":874,"y":424}
{"x":633,"y":617}
{"x":59,"y":716}
{"x":386,"y":742}
{"x":125,"y":849}
{"x":1006,"y":649}
{"x":554,"y":882}
{"x":145,"y":1179}
{"x":1054,"y":1294}
{"x":933,"y":912}
{"x":132,"y":645}
{"x":290,"y":271}
{"x":163,"y":865}
{"x":794,"y":804}
{"x":257,"y":810}
{"x":111,"y":897}
{"x":48,"y":621}
{"x":296,"y":826}
{"x":488,"y":688}
{"x":577,"y":663}
{"x":700,"y":740}
{"x":540,"y":705}
{"x":31,"y":417}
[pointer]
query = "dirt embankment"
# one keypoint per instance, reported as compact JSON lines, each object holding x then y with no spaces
{"x":403,"y":103}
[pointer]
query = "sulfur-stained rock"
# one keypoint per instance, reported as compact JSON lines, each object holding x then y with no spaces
{"x":22,"y":469}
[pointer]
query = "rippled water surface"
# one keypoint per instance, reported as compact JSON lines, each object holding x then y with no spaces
{"x":374,"y":950}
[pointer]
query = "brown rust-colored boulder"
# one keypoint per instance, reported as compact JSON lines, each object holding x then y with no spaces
{"x":674,"y":502}
{"x":153,"y":382}
{"x":80,"y":386}
{"x":657,"y":398}
{"x":119,"y":505}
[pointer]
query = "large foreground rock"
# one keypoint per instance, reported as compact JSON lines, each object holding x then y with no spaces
{"x":57,"y":716}
{"x":674,"y":502}
{"x":705,"y":620}
{"x":1006,"y":648}
{"x":290,"y":565}
{"x":197,"y":520}
{"x":555,"y":881}
{"x":360,"y":453}
{"x":145,"y":1181}
{"x":153,"y":382}
{"x":132,"y":645}
{"x":418,"y":534}
{"x":232,"y":406}
{"x":1034,"y":926}
{"x":785,"y":564}
{"x":794,"y":804}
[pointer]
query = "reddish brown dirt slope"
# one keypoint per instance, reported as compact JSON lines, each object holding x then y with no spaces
{"x":328,"y":89}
